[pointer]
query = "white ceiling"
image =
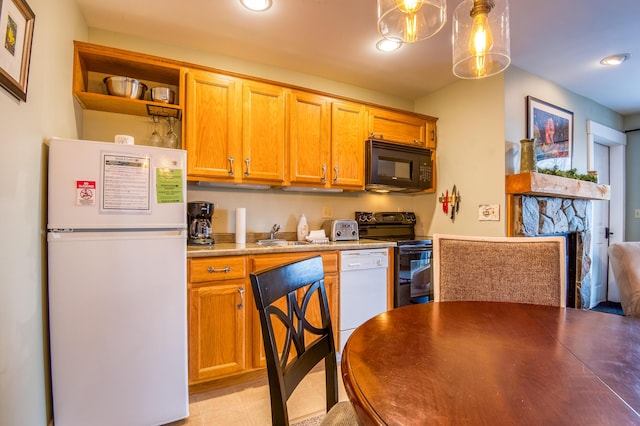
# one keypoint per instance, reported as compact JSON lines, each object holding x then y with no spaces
{"x":559,"y":40}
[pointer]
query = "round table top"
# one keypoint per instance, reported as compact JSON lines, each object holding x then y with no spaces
{"x":494,"y":363}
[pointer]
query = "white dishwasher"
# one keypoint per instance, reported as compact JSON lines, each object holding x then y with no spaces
{"x":363,"y":288}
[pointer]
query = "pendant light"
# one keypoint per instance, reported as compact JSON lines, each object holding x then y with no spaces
{"x":408,"y":21}
{"x":481,"y":41}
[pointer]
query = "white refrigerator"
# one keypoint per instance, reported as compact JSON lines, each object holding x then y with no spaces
{"x":116,"y":237}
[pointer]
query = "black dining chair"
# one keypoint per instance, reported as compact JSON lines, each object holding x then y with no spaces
{"x":293,"y":345}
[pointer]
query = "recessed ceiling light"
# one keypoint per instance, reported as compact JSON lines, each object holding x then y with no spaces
{"x":615,"y":59}
{"x":387,"y":45}
{"x":256,"y":5}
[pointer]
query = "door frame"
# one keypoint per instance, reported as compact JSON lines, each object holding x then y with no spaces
{"x":616,"y":141}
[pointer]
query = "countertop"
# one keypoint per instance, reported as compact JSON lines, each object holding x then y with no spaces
{"x":233,"y":249}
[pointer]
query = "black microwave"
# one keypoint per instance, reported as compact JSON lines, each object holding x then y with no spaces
{"x":392,"y":167}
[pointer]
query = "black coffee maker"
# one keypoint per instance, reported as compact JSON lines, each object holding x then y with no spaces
{"x":200,"y":213}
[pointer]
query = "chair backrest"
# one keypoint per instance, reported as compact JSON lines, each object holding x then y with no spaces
{"x":502,"y":269}
{"x":625,"y":262}
{"x":285,"y":296}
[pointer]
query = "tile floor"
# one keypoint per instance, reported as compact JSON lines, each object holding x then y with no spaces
{"x":248,"y":403}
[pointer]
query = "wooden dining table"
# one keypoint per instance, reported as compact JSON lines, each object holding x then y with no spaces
{"x":490,"y":363}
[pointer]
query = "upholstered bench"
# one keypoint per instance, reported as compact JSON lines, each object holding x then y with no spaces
{"x":625,"y":262}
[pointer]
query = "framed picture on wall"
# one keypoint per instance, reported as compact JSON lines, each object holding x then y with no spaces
{"x":551,"y":127}
{"x":16,"y":26}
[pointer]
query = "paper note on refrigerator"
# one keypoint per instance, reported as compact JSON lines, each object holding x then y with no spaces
{"x":169,"y":185}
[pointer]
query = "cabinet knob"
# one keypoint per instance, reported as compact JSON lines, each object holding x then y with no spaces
{"x":323,"y":179}
{"x":247,"y":161}
{"x":335,"y":177}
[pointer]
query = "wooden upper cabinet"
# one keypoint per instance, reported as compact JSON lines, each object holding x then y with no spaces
{"x":348,"y":124}
{"x":92,"y":63}
{"x":263,"y":132}
{"x":309,"y":138}
{"x":214,"y":126}
{"x":400,"y":127}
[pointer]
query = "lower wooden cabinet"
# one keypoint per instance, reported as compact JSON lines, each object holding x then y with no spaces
{"x":331,"y":282}
{"x":218,"y":317}
{"x":219,"y":314}
{"x":225,"y":338}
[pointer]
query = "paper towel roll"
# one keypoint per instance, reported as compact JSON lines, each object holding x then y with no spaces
{"x":241,"y":225}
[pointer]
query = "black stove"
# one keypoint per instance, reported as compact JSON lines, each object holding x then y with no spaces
{"x":389,"y":226}
{"x":412,"y":254}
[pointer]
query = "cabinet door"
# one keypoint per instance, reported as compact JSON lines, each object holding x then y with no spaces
{"x":217,"y":330}
{"x":214,"y":127}
{"x":309,"y":138}
{"x":263,"y":132}
{"x":347,"y":145}
{"x":331,"y":282}
{"x":397,"y":127}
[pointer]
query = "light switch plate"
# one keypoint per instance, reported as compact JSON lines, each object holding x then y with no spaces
{"x":327,"y":212}
{"x":489,"y":212}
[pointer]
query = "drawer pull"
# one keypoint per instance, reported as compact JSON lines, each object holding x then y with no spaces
{"x":211,"y":270}
{"x":241,"y":291}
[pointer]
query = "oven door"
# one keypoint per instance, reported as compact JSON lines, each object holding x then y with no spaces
{"x":413,"y":275}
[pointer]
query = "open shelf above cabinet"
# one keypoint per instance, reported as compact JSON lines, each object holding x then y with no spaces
{"x":93,"y":63}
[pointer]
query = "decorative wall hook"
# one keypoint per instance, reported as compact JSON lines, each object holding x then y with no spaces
{"x":450,"y":203}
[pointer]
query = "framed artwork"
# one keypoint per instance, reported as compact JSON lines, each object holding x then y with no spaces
{"x":16,"y":26}
{"x":551,"y":127}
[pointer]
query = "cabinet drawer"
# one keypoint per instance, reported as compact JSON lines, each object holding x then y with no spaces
{"x":217,"y":268}
{"x":260,"y":262}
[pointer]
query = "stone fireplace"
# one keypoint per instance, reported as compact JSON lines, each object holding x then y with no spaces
{"x":540,"y":204}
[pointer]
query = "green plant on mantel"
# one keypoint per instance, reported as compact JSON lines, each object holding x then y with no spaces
{"x":571,"y":174}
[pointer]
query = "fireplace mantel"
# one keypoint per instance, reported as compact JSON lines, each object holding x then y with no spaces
{"x":545,"y":185}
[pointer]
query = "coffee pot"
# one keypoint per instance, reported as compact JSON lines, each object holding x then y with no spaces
{"x":200,"y":213}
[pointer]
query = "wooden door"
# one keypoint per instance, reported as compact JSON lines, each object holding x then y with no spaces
{"x":263,"y":132}
{"x":213,"y":126}
{"x":309,"y":138}
{"x":397,"y":127}
{"x":217,"y":330}
{"x":347,"y":145}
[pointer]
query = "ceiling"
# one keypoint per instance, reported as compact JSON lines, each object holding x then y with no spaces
{"x":558,"y":40}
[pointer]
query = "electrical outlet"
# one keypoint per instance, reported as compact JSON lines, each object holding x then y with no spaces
{"x":489,"y":212}
{"x":327,"y":212}
{"x":637,"y":213}
{"x":216,"y":207}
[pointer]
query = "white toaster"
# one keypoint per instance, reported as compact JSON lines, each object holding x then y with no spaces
{"x":341,"y":229}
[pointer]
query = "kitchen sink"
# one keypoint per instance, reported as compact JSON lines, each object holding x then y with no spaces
{"x":281,"y":243}
{"x":273,"y":243}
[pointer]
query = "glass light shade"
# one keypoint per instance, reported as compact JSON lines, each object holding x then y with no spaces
{"x":411,"y":20}
{"x":481,"y":43}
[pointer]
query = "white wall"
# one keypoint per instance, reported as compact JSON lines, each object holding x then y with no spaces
{"x":632,"y":196}
{"x":519,"y":84}
{"x":24,"y":382}
{"x":470,"y":154}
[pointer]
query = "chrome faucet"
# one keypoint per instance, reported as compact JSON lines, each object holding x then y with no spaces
{"x":274,"y":231}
